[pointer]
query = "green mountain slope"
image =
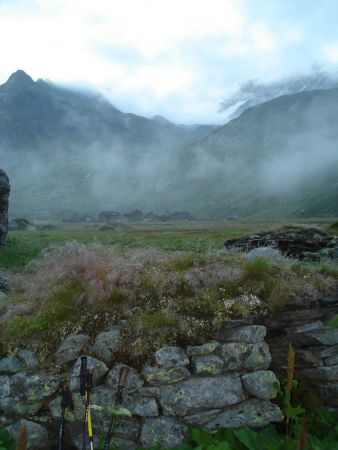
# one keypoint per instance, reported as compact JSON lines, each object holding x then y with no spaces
{"x":279,"y":158}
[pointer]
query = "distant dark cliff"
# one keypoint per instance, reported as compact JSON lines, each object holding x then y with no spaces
{"x":4,"y":195}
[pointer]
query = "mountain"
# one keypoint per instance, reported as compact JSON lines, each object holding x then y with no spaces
{"x":279,"y":158}
{"x":37,"y":113}
{"x":69,"y":152}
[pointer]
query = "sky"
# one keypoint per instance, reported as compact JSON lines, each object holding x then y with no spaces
{"x":175,"y":58}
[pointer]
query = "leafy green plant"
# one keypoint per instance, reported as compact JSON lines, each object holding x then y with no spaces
{"x":7,"y":442}
{"x":334,"y":322}
{"x":292,"y":413}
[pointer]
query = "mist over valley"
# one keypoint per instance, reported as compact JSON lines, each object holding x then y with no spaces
{"x":69,"y":151}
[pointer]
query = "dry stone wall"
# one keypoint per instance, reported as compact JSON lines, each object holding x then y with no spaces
{"x":223,"y":383}
{"x":315,"y":344}
{"x":227,"y":382}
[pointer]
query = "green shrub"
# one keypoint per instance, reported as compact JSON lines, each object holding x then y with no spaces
{"x":7,"y":442}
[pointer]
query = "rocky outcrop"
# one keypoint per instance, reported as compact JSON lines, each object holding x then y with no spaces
{"x":296,"y":241}
{"x":200,"y":385}
{"x":4,"y":195}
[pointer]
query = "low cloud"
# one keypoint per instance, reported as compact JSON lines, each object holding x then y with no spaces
{"x":255,"y":92}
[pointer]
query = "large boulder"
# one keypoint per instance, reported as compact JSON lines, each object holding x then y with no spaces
{"x":4,"y":195}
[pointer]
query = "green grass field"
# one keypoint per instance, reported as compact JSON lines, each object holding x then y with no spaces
{"x":23,"y":246}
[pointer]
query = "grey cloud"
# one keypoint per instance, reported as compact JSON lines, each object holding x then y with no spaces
{"x":254,"y":92}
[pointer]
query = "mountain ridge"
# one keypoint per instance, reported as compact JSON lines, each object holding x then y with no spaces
{"x":277,"y":159}
{"x":31,"y":110}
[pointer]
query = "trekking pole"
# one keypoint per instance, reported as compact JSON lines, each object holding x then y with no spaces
{"x":66,"y":402}
{"x":83,"y":375}
{"x":89,"y":416}
{"x":118,"y":401}
{"x":83,"y":392}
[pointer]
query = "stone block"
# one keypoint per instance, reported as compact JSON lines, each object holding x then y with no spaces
{"x":328,"y":392}
{"x":16,"y":406}
{"x":107,"y":343}
{"x":99,"y":371}
{"x":137,"y":405}
{"x":157,"y":376}
{"x":304,"y":328}
{"x":248,"y":357}
{"x":71,"y":416}
{"x":168,"y":357}
{"x":134,"y":381}
{"x":71,"y":348}
{"x":11,"y":364}
{"x":197,"y":394}
{"x":331,"y":361}
{"x":323,"y":373}
{"x":202,"y":417}
{"x":261,"y":384}
{"x":250,"y":334}
{"x":28,"y":358}
{"x":5,"y":387}
{"x":163,"y":431}
{"x":326,"y":352}
{"x":203,"y":350}
{"x":207,"y":365}
{"x":250,"y":413}
{"x":129,"y":429}
{"x":321,"y":336}
{"x":37,"y":435}
{"x":34,"y":386}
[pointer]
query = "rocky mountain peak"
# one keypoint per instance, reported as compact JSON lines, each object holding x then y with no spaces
{"x":19,"y":78}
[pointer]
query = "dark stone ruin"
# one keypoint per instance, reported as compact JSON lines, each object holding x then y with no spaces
{"x":4,"y":195}
{"x":294,"y":241}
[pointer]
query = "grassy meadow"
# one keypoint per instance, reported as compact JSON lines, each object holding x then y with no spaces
{"x":23,"y":246}
{"x":171,"y":282}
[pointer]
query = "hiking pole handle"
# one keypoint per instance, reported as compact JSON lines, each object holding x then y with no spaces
{"x":118,"y":401}
{"x":66,"y":402}
{"x":83,"y":375}
{"x":123,"y":376}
